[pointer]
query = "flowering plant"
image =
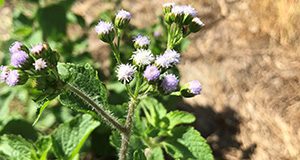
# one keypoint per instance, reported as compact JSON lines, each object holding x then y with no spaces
{"x":143,"y":128}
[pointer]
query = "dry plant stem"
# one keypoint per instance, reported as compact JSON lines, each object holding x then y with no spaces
{"x":106,"y":116}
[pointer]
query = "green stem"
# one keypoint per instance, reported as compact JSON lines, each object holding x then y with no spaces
{"x":106,"y":116}
{"x":116,"y":52}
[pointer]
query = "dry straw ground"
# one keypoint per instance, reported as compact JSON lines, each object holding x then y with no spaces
{"x":248,"y":60}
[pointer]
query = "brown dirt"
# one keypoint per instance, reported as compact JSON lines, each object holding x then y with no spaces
{"x":248,"y":61}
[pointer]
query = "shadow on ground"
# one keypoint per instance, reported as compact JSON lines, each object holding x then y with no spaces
{"x":220,"y":129}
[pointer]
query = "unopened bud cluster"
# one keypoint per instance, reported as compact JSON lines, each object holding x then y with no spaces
{"x":182,"y":15}
{"x":37,"y":63}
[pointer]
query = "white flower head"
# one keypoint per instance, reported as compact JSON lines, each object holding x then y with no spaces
{"x":198,"y":21}
{"x":142,"y":57}
{"x":168,"y":59}
{"x":190,"y":10}
{"x":104,"y":27}
{"x":122,"y":14}
{"x":125,"y":72}
{"x":39,"y":64}
{"x":37,"y":48}
{"x":184,"y":9}
{"x":142,"y":40}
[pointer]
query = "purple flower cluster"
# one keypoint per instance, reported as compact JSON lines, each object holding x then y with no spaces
{"x":10,"y":77}
{"x":19,"y":58}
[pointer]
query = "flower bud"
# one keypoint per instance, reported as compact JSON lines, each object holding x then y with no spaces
{"x":196,"y":25}
{"x":167,"y":7}
{"x":191,"y":89}
{"x":16,"y":77}
{"x":169,"y":83}
{"x":122,"y":19}
{"x":105,"y":31}
{"x":141,"y":42}
{"x":17,"y":46}
{"x":169,"y":18}
{"x":37,"y":50}
{"x":183,"y":14}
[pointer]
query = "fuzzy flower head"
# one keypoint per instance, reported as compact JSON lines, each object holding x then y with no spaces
{"x":3,"y":73}
{"x":195,"y":87}
{"x":142,"y":57}
{"x":15,"y":47}
{"x":183,"y":14}
{"x":125,"y":72}
{"x":169,"y":83}
{"x":19,"y":58}
{"x":105,"y":31}
{"x":191,"y":89}
{"x":104,"y":27}
{"x":122,"y":19}
{"x":141,"y":42}
{"x":151,"y":73}
{"x":168,"y":59}
{"x":184,"y":9}
{"x":37,"y":49}
{"x":122,"y":14}
{"x":12,"y":78}
{"x":39,"y":64}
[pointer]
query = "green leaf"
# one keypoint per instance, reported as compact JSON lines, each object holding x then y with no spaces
{"x":154,"y":153}
{"x":20,"y":127}
{"x":179,"y":117}
{"x":40,"y":111}
{"x":16,"y":148}
{"x":23,"y":31}
{"x":153,"y":110}
{"x":1,"y":3}
{"x":187,"y":143}
{"x":5,"y":100}
{"x":43,"y":145}
{"x":69,"y":137}
{"x":85,"y":79}
{"x":139,"y":155}
{"x":52,"y":25}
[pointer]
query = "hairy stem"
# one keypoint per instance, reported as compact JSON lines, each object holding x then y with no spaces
{"x":106,"y":116}
{"x":129,"y":120}
{"x":128,"y":125}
